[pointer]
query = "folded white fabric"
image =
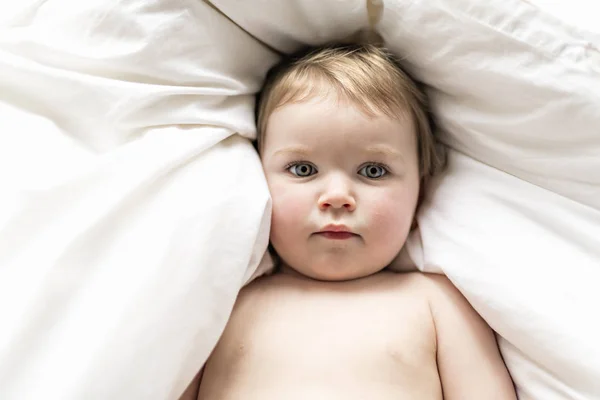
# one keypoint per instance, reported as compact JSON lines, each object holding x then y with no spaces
{"x":130,"y":213}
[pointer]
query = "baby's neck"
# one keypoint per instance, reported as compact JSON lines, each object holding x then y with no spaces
{"x":285,"y":269}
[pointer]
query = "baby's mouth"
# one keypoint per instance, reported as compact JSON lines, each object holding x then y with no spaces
{"x":336,"y":235}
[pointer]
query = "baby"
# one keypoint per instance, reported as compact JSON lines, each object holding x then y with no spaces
{"x":346,"y":145}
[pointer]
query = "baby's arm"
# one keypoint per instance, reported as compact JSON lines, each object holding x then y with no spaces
{"x":191,"y":393}
{"x":469,"y":362}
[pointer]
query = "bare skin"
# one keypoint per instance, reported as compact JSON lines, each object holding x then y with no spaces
{"x":386,"y":336}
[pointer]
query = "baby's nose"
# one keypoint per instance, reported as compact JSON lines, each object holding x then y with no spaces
{"x":337,"y":196}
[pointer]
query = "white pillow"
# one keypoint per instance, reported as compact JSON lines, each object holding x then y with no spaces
{"x":287,"y":25}
{"x":511,"y":87}
{"x":130,"y":213}
{"x":527,"y":259}
{"x":575,"y":14}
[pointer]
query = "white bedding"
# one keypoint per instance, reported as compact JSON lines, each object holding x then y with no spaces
{"x":133,"y":207}
{"x":130,"y":211}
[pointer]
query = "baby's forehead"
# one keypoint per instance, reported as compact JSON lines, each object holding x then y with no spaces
{"x":321,"y":93}
{"x":334,"y":122}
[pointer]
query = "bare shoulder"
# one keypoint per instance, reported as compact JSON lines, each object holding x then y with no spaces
{"x":438,"y":288}
{"x":451,"y":311}
{"x":443,"y":296}
{"x":430,"y":281}
{"x":426,"y":284}
{"x":468,"y":358}
{"x":267,"y":286}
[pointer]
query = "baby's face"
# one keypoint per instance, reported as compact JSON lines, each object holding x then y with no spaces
{"x":344,"y":187}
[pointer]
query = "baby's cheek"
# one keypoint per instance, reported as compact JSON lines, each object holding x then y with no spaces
{"x":288,"y":209}
{"x":391,"y":217}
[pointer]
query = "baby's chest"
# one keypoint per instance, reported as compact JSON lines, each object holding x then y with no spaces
{"x":357,"y":333}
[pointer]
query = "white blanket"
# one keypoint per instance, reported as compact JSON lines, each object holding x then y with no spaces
{"x":130,"y":211}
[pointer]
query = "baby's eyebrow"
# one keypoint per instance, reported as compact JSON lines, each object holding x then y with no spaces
{"x":299,"y":150}
{"x":384,"y":150}
{"x":375,"y":150}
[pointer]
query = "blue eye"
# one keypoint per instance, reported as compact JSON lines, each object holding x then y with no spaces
{"x":302,"y":170}
{"x":373,"y":171}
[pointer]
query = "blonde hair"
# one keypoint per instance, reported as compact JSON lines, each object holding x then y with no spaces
{"x":367,"y":75}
